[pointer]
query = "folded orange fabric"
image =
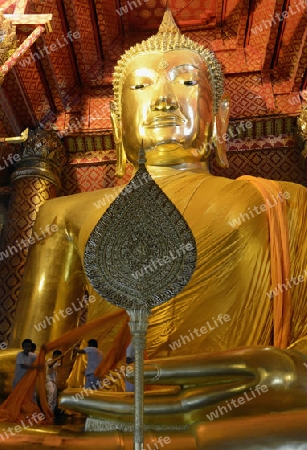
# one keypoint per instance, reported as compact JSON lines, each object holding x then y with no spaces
{"x":19,"y":404}
{"x":279,"y":256}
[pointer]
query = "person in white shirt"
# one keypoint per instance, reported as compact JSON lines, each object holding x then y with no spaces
{"x":94,"y":358}
{"x":51,"y":378}
{"x":24,"y":361}
{"x":130,"y":358}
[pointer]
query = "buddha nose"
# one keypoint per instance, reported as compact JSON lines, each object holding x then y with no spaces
{"x":164,"y":98}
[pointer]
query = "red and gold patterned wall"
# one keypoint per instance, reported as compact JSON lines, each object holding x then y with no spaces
{"x":266,"y":149}
{"x":264,"y":60}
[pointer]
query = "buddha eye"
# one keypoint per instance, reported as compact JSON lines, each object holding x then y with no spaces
{"x":139,"y":86}
{"x":190,"y":82}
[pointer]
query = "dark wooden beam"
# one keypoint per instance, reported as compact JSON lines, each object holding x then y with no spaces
{"x":44,"y":80}
{"x":94,"y":19}
{"x":23,"y":93}
{"x":9,"y":112}
{"x":71,"y":51}
{"x":47,"y":67}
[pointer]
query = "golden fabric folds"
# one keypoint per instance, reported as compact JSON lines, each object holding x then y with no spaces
{"x":228,"y":302}
{"x":234,"y":275}
{"x":233,"y":272}
{"x":279,"y":255}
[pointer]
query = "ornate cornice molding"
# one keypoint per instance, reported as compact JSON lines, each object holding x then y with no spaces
{"x":43,"y":156}
{"x":8,"y":39}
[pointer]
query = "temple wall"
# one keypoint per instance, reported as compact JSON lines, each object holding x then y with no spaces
{"x":267,"y":149}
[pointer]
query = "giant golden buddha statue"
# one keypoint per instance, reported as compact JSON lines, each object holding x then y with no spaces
{"x":209,"y":345}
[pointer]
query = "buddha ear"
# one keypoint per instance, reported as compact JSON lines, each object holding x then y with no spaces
{"x":221,"y":126}
{"x":117,"y":133}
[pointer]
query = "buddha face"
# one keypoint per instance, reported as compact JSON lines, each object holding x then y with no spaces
{"x":167,"y":105}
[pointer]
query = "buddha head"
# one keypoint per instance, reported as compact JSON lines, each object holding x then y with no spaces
{"x":169,"y":98}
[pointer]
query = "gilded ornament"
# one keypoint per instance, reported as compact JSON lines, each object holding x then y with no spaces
{"x":43,"y":156}
{"x":141,"y":232}
{"x":163,"y":64}
{"x":8,"y":39}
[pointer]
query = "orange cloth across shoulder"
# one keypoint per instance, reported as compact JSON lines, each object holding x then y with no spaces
{"x":19,"y":402}
{"x":279,"y":255}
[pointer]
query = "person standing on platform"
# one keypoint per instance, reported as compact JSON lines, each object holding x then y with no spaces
{"x":24,"y":361}
{"x":130,"y":358}
{"x":52,"y":365}
{"x":94,"y":358}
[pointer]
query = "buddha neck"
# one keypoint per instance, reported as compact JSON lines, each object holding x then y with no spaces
{"x":165,"y":171}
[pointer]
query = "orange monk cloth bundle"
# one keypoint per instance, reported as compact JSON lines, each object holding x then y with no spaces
{"x":279,"y":256}
{"x":20,"y":405}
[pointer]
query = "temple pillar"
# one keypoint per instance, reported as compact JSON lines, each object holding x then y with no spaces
{"x":35,"y":180}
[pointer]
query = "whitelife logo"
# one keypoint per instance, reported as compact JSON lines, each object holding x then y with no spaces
{"x":64,"y":312}
{"x":52,"y":47}
{"x":241,"y":400}
{"x":132,"y":5}
{"x":25,"y":243}
{"x":298,"y":7}
{"x":105,"y":383}
{"x":153,"y":265}
{"x":287,"y":285}
{"x":12,"y":431}
{"x":198,"y":332}
{"x":133,"y":185}
{"x":10,"y":159}
{"x":263,"y":207}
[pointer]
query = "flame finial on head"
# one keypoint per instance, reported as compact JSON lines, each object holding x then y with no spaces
{"x":168,"y":24}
